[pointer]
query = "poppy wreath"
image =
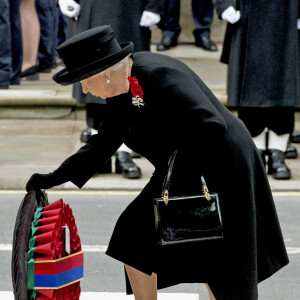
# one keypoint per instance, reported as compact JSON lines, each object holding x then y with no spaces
{"x":53,"y":258}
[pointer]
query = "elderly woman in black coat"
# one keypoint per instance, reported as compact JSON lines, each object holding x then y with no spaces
{"x":156,"y":105}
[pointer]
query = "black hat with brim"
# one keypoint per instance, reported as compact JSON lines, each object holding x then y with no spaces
{"x":88,"y":53}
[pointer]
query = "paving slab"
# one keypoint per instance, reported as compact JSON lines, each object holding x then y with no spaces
{"x":29,"y":146}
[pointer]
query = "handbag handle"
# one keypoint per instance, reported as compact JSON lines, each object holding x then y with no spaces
{"x":167,"y":180}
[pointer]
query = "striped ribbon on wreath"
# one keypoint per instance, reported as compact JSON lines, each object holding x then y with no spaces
{"x":55,"y":265}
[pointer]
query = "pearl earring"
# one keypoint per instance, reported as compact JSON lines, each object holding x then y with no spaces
{"x":107,"y":80}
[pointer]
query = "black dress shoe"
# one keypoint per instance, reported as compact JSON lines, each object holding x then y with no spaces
{"x":291,"y":151}
{"x":263,"y":156}
{"x":166,"y":43}
{"x":126,"y":167}
{"x":276,"y":165}
{"x":31,"y":74}
{"x":295,"y":137}
{"x":86,"y":134}
{"x":206,"y":43}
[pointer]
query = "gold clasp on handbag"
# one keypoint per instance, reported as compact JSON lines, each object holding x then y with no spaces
{"x":165,"y":196}
{"x":206,"y":192}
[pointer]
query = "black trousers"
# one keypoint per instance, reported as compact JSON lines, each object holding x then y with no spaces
{"x":278,"y":119}
{"x":48,"y":14}
{"x":202,"y":14}
{"x":10,"y":42}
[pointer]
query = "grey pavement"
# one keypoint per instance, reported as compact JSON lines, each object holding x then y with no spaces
{"x":40,"y":125}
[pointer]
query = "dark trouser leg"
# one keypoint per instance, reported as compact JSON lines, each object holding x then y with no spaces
{"x":47,"y":17}
{"x":170,"y":26}
{"x":95,"y":114}
{"x":16,"y":41}
{"x":255,"y":122}
{"x":280,"y":123}
{"x":5,"y":44}
{"x":278,"y":119}
{"x":56,"y":12}
{"x":203,"y":17}
{"x":62,"y":28}
{"x":89,"y":116}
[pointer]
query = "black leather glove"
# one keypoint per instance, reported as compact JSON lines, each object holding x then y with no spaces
{"x":42,"y":181}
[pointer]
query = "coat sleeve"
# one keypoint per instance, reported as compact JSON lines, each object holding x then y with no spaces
{"x":222,"y":5}
{"x":82,"y":165}
{"x":190,"y":105}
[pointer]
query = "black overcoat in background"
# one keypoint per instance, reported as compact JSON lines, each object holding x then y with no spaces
{"x":180,"y":112}
{"x":124,"y":17}
{"x":261,"y":51}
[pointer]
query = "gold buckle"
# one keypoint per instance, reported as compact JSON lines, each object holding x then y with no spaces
{"x":165,"y":196}
{"x":206,"y":193}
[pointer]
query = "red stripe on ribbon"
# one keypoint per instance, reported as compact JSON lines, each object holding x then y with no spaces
{"x":57,"y":267}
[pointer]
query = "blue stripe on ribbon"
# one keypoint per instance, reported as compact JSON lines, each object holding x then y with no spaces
{"x":55,"y":281}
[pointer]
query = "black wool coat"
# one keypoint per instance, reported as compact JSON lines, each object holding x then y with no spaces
{"x":261,"y":51}
{"x":124,"y":17}
{"x":180,"y":112}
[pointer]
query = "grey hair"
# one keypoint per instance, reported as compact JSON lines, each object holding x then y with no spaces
{"x":118,"y":66}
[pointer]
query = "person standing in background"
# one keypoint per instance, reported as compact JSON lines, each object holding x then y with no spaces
{"x":203,"y":16}
{"x":261,"y":50}
{"x":131,"y":20}
{"x":48,"y":14}
{"x":11,"y":45}
{"x":62,"y":28}
{"x":40,"y":26}
{"x":30,"y":39}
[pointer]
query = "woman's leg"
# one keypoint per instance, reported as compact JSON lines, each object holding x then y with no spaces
{"x":30,"y":33}
{"x":144,"y":287}
{"x":211,"y":295}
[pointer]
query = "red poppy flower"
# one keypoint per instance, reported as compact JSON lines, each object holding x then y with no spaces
{"x":135,"y":88}
{"x":137,"y":92}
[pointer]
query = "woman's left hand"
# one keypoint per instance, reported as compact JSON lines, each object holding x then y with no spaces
{"x":45,"y":181}
{"x":149,"y":19}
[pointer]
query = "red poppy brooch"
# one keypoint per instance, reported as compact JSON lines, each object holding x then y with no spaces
{"x":137,"y":92}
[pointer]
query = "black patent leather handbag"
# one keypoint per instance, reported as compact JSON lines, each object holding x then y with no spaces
{"x":183,"y":219}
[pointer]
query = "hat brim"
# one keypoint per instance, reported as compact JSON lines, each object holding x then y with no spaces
{"x":64,"y":77}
